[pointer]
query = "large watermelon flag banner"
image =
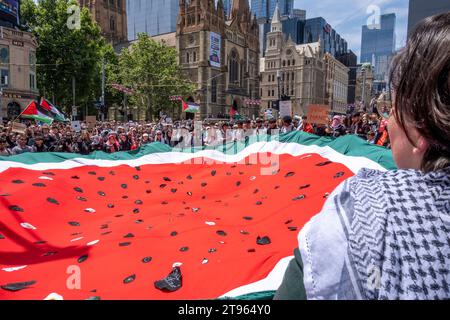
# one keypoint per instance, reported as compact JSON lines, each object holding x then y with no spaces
{"x":162,"y":223}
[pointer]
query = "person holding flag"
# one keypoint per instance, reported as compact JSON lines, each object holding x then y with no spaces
{"x":57,"y":115}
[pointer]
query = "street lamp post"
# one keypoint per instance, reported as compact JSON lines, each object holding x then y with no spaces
{"x":2,"y":85}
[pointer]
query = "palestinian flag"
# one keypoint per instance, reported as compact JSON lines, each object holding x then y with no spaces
{"x":162,"y":223}
{"x":190,"y":107}
{"x":58,"y":115}
{"x":33,"y":111}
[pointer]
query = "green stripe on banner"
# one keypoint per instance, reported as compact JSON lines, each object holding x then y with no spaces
{"x":347,"y":145}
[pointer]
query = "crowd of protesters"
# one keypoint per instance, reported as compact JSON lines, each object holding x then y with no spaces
{"x":115,"y":136}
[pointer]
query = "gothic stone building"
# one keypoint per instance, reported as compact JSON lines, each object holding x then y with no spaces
{"x":221,"y":55}
{"x":296,"y":71}
{"x":111,"y":16}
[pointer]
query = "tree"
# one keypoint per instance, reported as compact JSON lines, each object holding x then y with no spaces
{"x":150,"y":68}
{"x":65,"y":51}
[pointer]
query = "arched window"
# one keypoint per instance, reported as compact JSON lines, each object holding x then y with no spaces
{"x":214,"y":91}
{"x":289,"y":63}
{"x":187,"y":57}
{"x":233,"y":67}
{"x":293,"y":62}
{"x":195,"y":56}
{"x":284,"y":63}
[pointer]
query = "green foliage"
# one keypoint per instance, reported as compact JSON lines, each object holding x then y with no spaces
{"x":150,"y":68}
{"x":65,"y":52}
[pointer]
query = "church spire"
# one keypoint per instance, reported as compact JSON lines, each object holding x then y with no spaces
{"x":276,"y":20}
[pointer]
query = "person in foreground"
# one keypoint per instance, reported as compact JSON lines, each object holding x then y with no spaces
{"x":385,"y":235}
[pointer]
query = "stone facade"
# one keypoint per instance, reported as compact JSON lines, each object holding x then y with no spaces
{"x":234,"y":78}
{"x":111,"y":15}
{"x":364,"y":78}
{"x":296,"y":71}
{"x":18,"y":71}
{"x":336,"y":90}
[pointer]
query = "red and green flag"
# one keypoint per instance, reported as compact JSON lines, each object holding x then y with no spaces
{"x":58,"y":115}
{"x":190,"y":107}
{"x":34,"y":111}
{"x":167,"y":223}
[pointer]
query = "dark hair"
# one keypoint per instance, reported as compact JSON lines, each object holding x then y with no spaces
{"x":420,"y":78}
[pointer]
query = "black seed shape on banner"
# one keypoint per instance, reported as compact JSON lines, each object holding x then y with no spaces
{"x":148,"y":191}
{"x":124,"y":244}
{"x":101,"y":178}
{"x":129,"y":235}
{"x":75,"y":177}
{"x":241,"y":173}
{"x":277,"y":187}
{"x":119,"y":216}
{"x":212,"y":250}
{"x":326,"y":195}
{"x":321,"y":164}
{"x":18,"y":181}
{"x":256,"y":191}
{"x":129,"y":279}
{"x":17,"y":285}
{"x":124,"y":197}
{"x":139,"y":221}
{"x":124,"y":185}
{"x":93,"y":298}
{"x":81,"y":199}
{"x":203,"y":197}
{"x":204,"y":184}
{"x":136,"y":177}
{"x":162,"y":186}
{"x":172,"y":282}
{"x":112,"y":173}
{"x":105,"y":233}
{"x":180,"y":182}
{"x":221,"y":233}
{"x":110,"y":205}
{"x":167,"y":179}
{"x":288,"y":222}
{"x":289,"y":174}
{"x":263,"y":241}
{"x":51,"y":253}
{"x":258,"y":203}
{"x":292,"y":228}
{"x":104,"y":226}
{"x":173,"y":233}
{"x":238,"y":184}
{"x":54,"y":201}
{"x":339,"y":174}
{"x":195,"y":210}
{"x":245,"y":233}
{"x":147,"y":259}
{"x":189,"y":193}
{"x":304,"y":186}
{"x":251,"y":250}
{"x":184,"y":249}
{"x":39,"y":184}
{"x":300,"y":197}
{"x":164,"y":202}
{"x":147,"y":181}
{"x":4,"y":195}
{"x":76,"y":234}
{"x":92,"y":173}
{"x":173,"y":190}
{"x":2,"y":236}
{"x":40,"y":242}
{"x":213,"y":173}
{"x":101,"y":193}
{"x":82,"y":258}
{"x":228,"y":173}
{"x":48,"y":173}
{"x":248,"y":218}
{"x":16,"y":208}
{"x":189,"y":177}
{"x":138,"y":168}
{"x":77,"y":189}
{"x":138,"y":202}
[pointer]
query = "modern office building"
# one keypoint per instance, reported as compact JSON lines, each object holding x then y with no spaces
{"x":264,"y":9}
{"x":226,"y":6}
{"x":378,"y":48}
{"x":420,"y":9}
{"x":350,"y":60}
{"x":153,"y":17}
{"x":319,"y":28}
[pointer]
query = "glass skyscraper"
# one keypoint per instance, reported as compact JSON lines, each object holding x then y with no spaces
{"x":153,"y":17}
{"x":227,"y":7}
{"x":332,"y":42}
{"x":264,"y":9}
{"x":378,"y":47}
